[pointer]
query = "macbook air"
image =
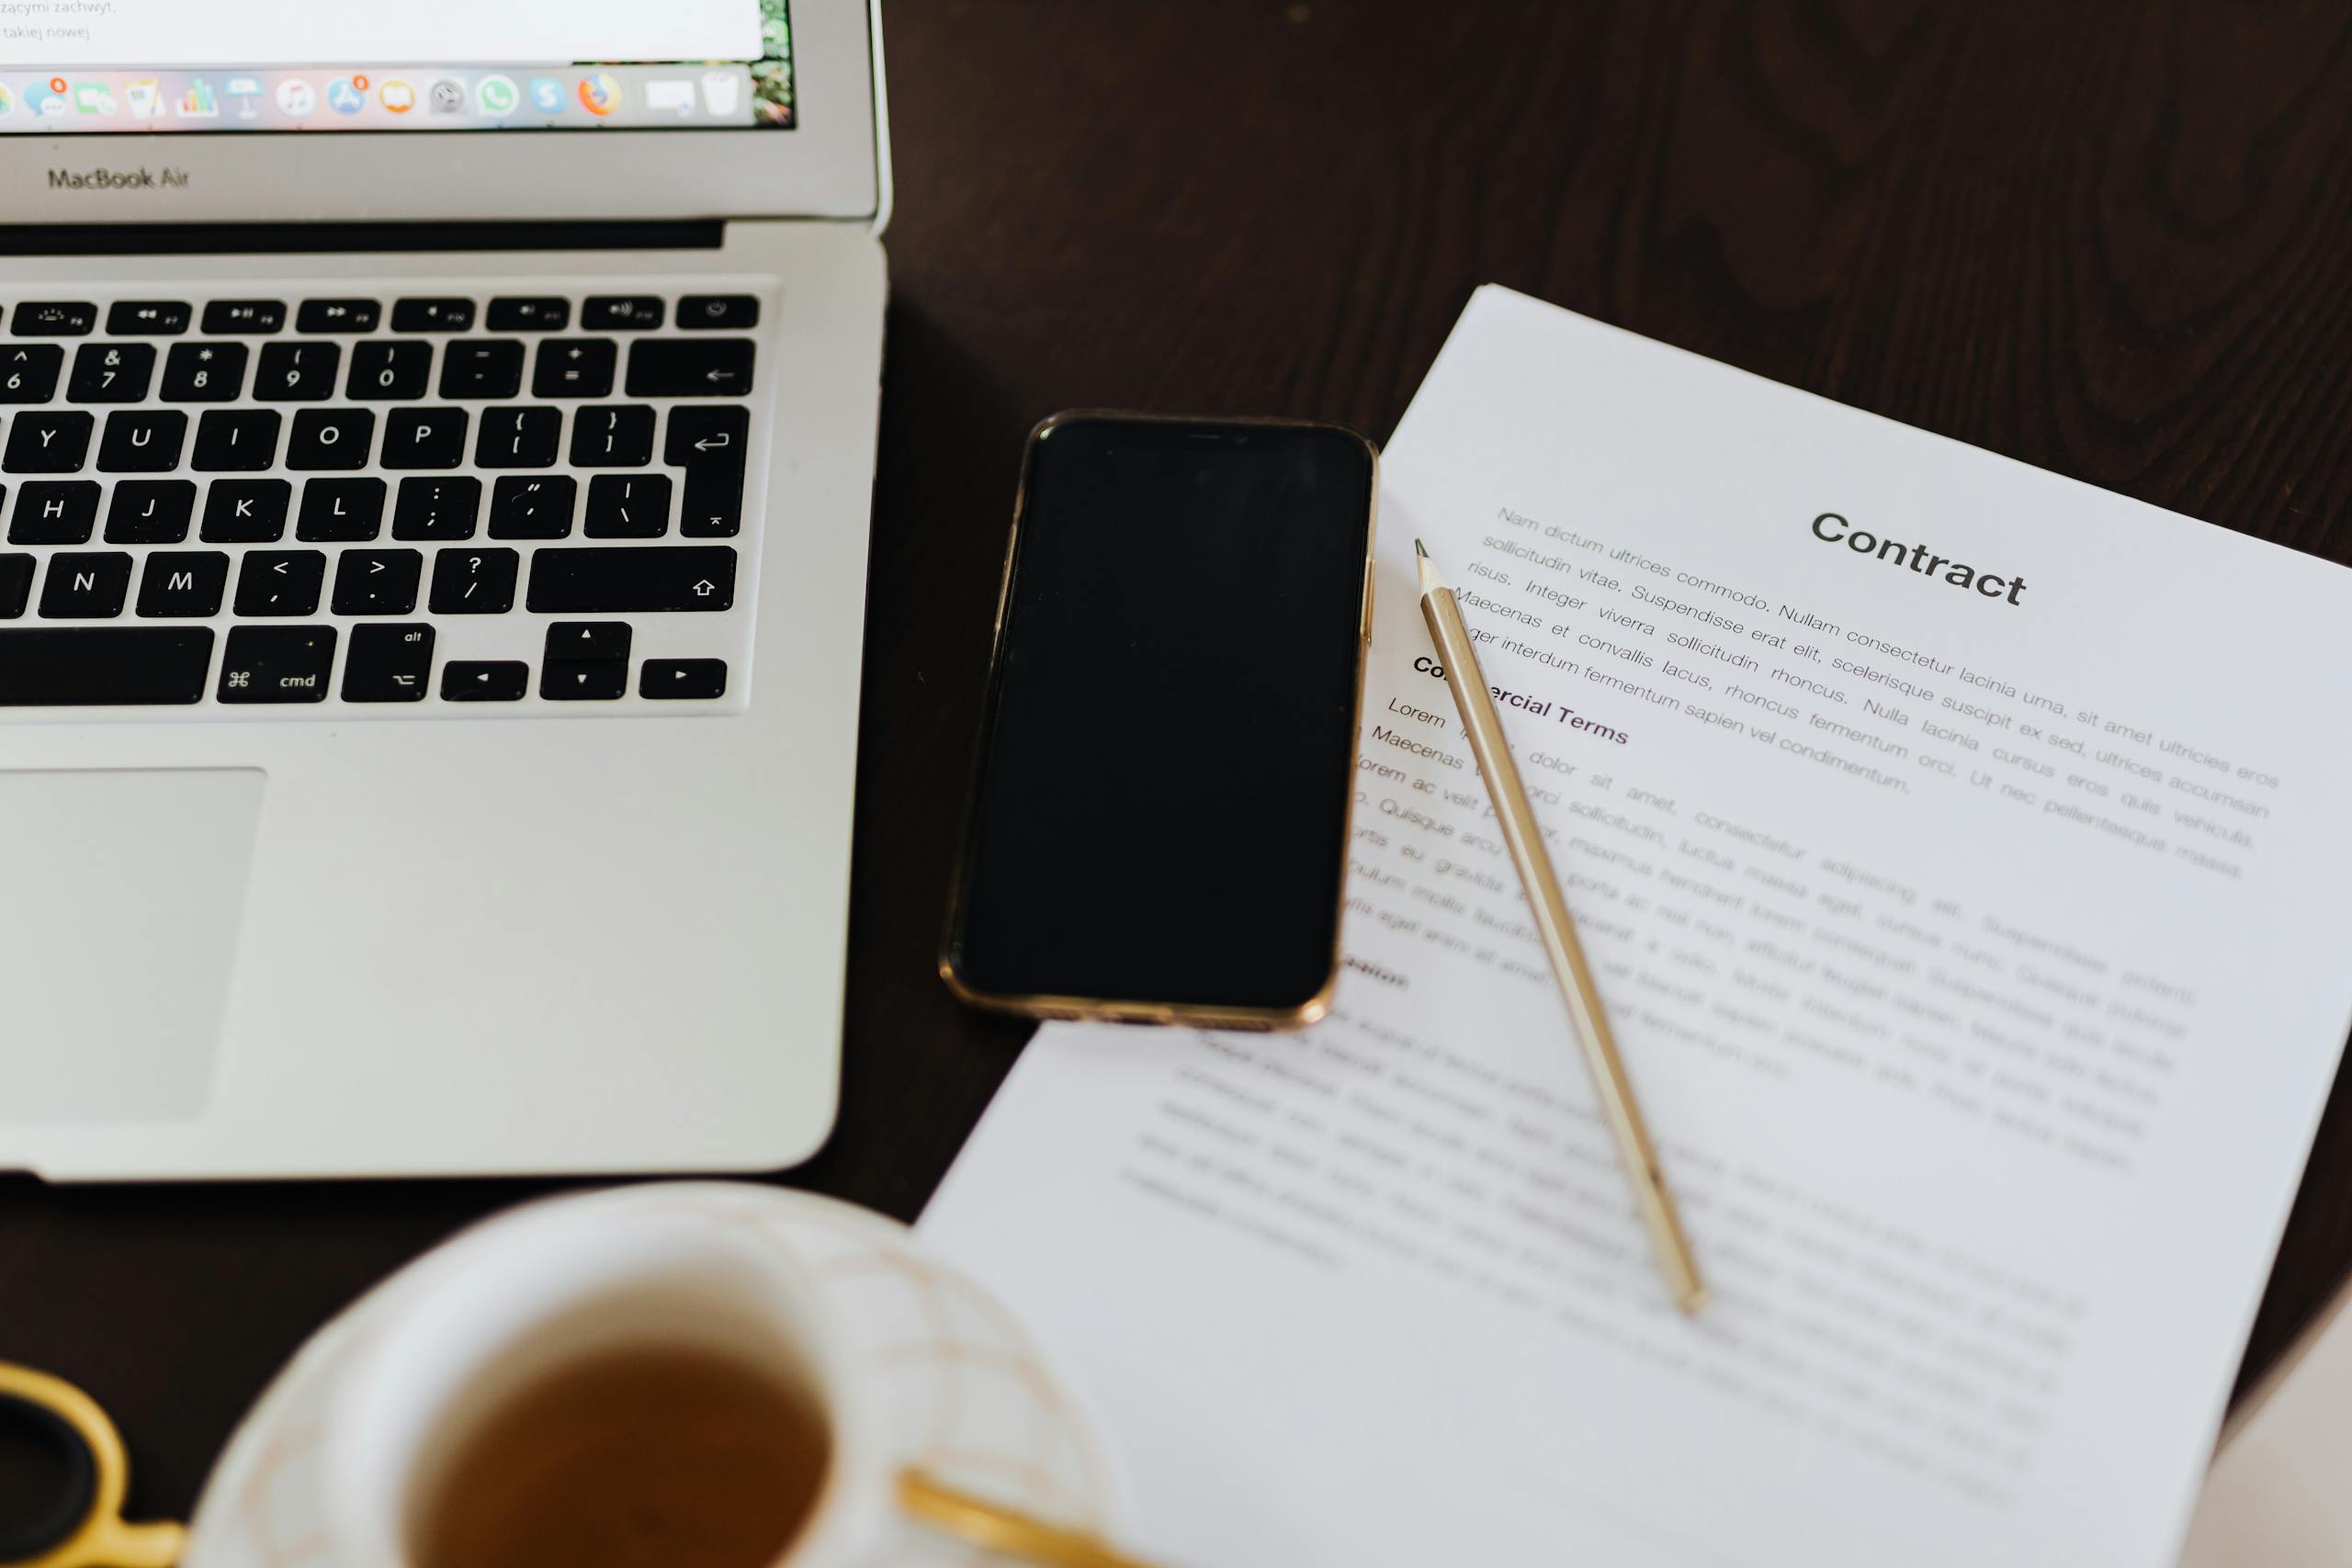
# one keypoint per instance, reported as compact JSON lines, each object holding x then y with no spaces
{"x":436,"y":450}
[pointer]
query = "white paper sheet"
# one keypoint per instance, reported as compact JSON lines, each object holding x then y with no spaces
{"x":1974,"y":933}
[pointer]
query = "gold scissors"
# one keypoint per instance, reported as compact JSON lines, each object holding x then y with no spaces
{"x":83,"y":1527}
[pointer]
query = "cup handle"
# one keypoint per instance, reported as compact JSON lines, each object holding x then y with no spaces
{"x":112,"y":1544}
{"x":992,"y":1527}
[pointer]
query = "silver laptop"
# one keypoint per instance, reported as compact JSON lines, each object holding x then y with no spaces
{"x":437,"y":442}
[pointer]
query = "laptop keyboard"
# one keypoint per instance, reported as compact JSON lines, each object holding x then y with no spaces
{"x":375,"y":502}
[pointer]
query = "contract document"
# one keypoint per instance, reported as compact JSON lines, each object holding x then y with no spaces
{"x":1962,"y":855}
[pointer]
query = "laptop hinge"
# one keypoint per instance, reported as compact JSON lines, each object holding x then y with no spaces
{"x":294,"y":238}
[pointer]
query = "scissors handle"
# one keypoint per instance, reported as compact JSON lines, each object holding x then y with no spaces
{"x":86,"y":1528}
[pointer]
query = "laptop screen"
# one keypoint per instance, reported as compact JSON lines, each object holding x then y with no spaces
{"x":417,"y":65}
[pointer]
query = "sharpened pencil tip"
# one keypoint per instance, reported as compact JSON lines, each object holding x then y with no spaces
{"x":1421,"y":549}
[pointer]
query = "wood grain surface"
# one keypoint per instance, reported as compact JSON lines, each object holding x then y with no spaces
{"x":2112,"y":240}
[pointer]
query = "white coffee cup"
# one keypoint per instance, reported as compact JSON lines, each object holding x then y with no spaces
{"x":910,"y":1364}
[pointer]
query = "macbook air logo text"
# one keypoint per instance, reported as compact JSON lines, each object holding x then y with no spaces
{"x":165,"y":178}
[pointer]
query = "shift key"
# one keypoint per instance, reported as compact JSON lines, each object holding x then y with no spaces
{"x":628,"y":580}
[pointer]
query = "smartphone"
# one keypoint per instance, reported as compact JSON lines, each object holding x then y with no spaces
{"x":1157,"y":830}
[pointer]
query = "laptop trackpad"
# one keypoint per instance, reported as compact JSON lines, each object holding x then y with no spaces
{"x":117,"y":926}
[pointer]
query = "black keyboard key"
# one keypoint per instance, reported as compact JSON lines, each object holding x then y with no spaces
{"x":143,"y":441}
{"x":16,"y":584}
{"x":56,"y":317}
{"x":28,"y":372}
{"x":85,"y":585}
{"x":390,"y":371}
{"x":690,"y":368}
{"x":183,"y":584}
{"x":717,"y":312}
{"x":437,"y":509}
{"x":518,"y":438}
{"x":151,"y":512}
{"x":588,"y":639}
{"x":236,"y":441}
{"x":281,"y":583}
{"x":276,"y":664}
{"x":683,"y":678}
{"x":499,"y":680}
{"x":621,"y":580}
{"x":627,"y":506}
{"x":204,"y":372}
{"x":584,"y":680}
{"x":111,"y":373}
{"x":54,"y":512}
{"x":481,"y":367}
{"x":297,"y":372}
{"x":710,"y":442}
{"x":341,"y":510}
{"x":388,"y":663}
{"x":474,"y":582}
{"x":621,"y":313}
{"x":611,"y":435}
{"x":103,"y":666}
{"x":53,"y":441}
{"x":431,"y":315}
{"x":575,"y":367}
{"x":148,"y":318}
{"x":329,"y":438}
{"x":532,"y":508}
{"x":376,"y":582}
{"x":234,"y":317}
{"x":245,"y":511}
{"x":529,"y":314}
{"x":337,"y":316}
{"x":424,"y":438}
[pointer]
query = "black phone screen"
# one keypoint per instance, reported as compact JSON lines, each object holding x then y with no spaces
{"x":1161,"y":813}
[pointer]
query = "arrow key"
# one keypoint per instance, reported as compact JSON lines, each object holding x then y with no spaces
{"x":388,"y":663}
{"x":684,"y":678}
{"x":484,"y":681}
{"x":584,"y":679}
{"x":577,"y":640}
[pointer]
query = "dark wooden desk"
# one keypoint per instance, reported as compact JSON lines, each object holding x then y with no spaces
{"x":2115,"y":240}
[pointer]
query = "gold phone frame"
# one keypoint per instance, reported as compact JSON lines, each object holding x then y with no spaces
{"x":1126,"y":1009}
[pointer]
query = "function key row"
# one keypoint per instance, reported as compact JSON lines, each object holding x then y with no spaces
{"x":382,"y":370}
{"x":507,"y":313}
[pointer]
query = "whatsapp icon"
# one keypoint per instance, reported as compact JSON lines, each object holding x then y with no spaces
{"x":497,"y":94}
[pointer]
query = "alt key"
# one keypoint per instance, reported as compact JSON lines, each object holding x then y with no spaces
{"x":701,"y":678}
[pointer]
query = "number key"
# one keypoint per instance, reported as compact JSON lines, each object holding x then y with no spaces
{"x":296,"y":372}
{"x":382,"y":369}
{"x":204,"y":372}
{"x":28,"y":372}
{"x":111,"y":372}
